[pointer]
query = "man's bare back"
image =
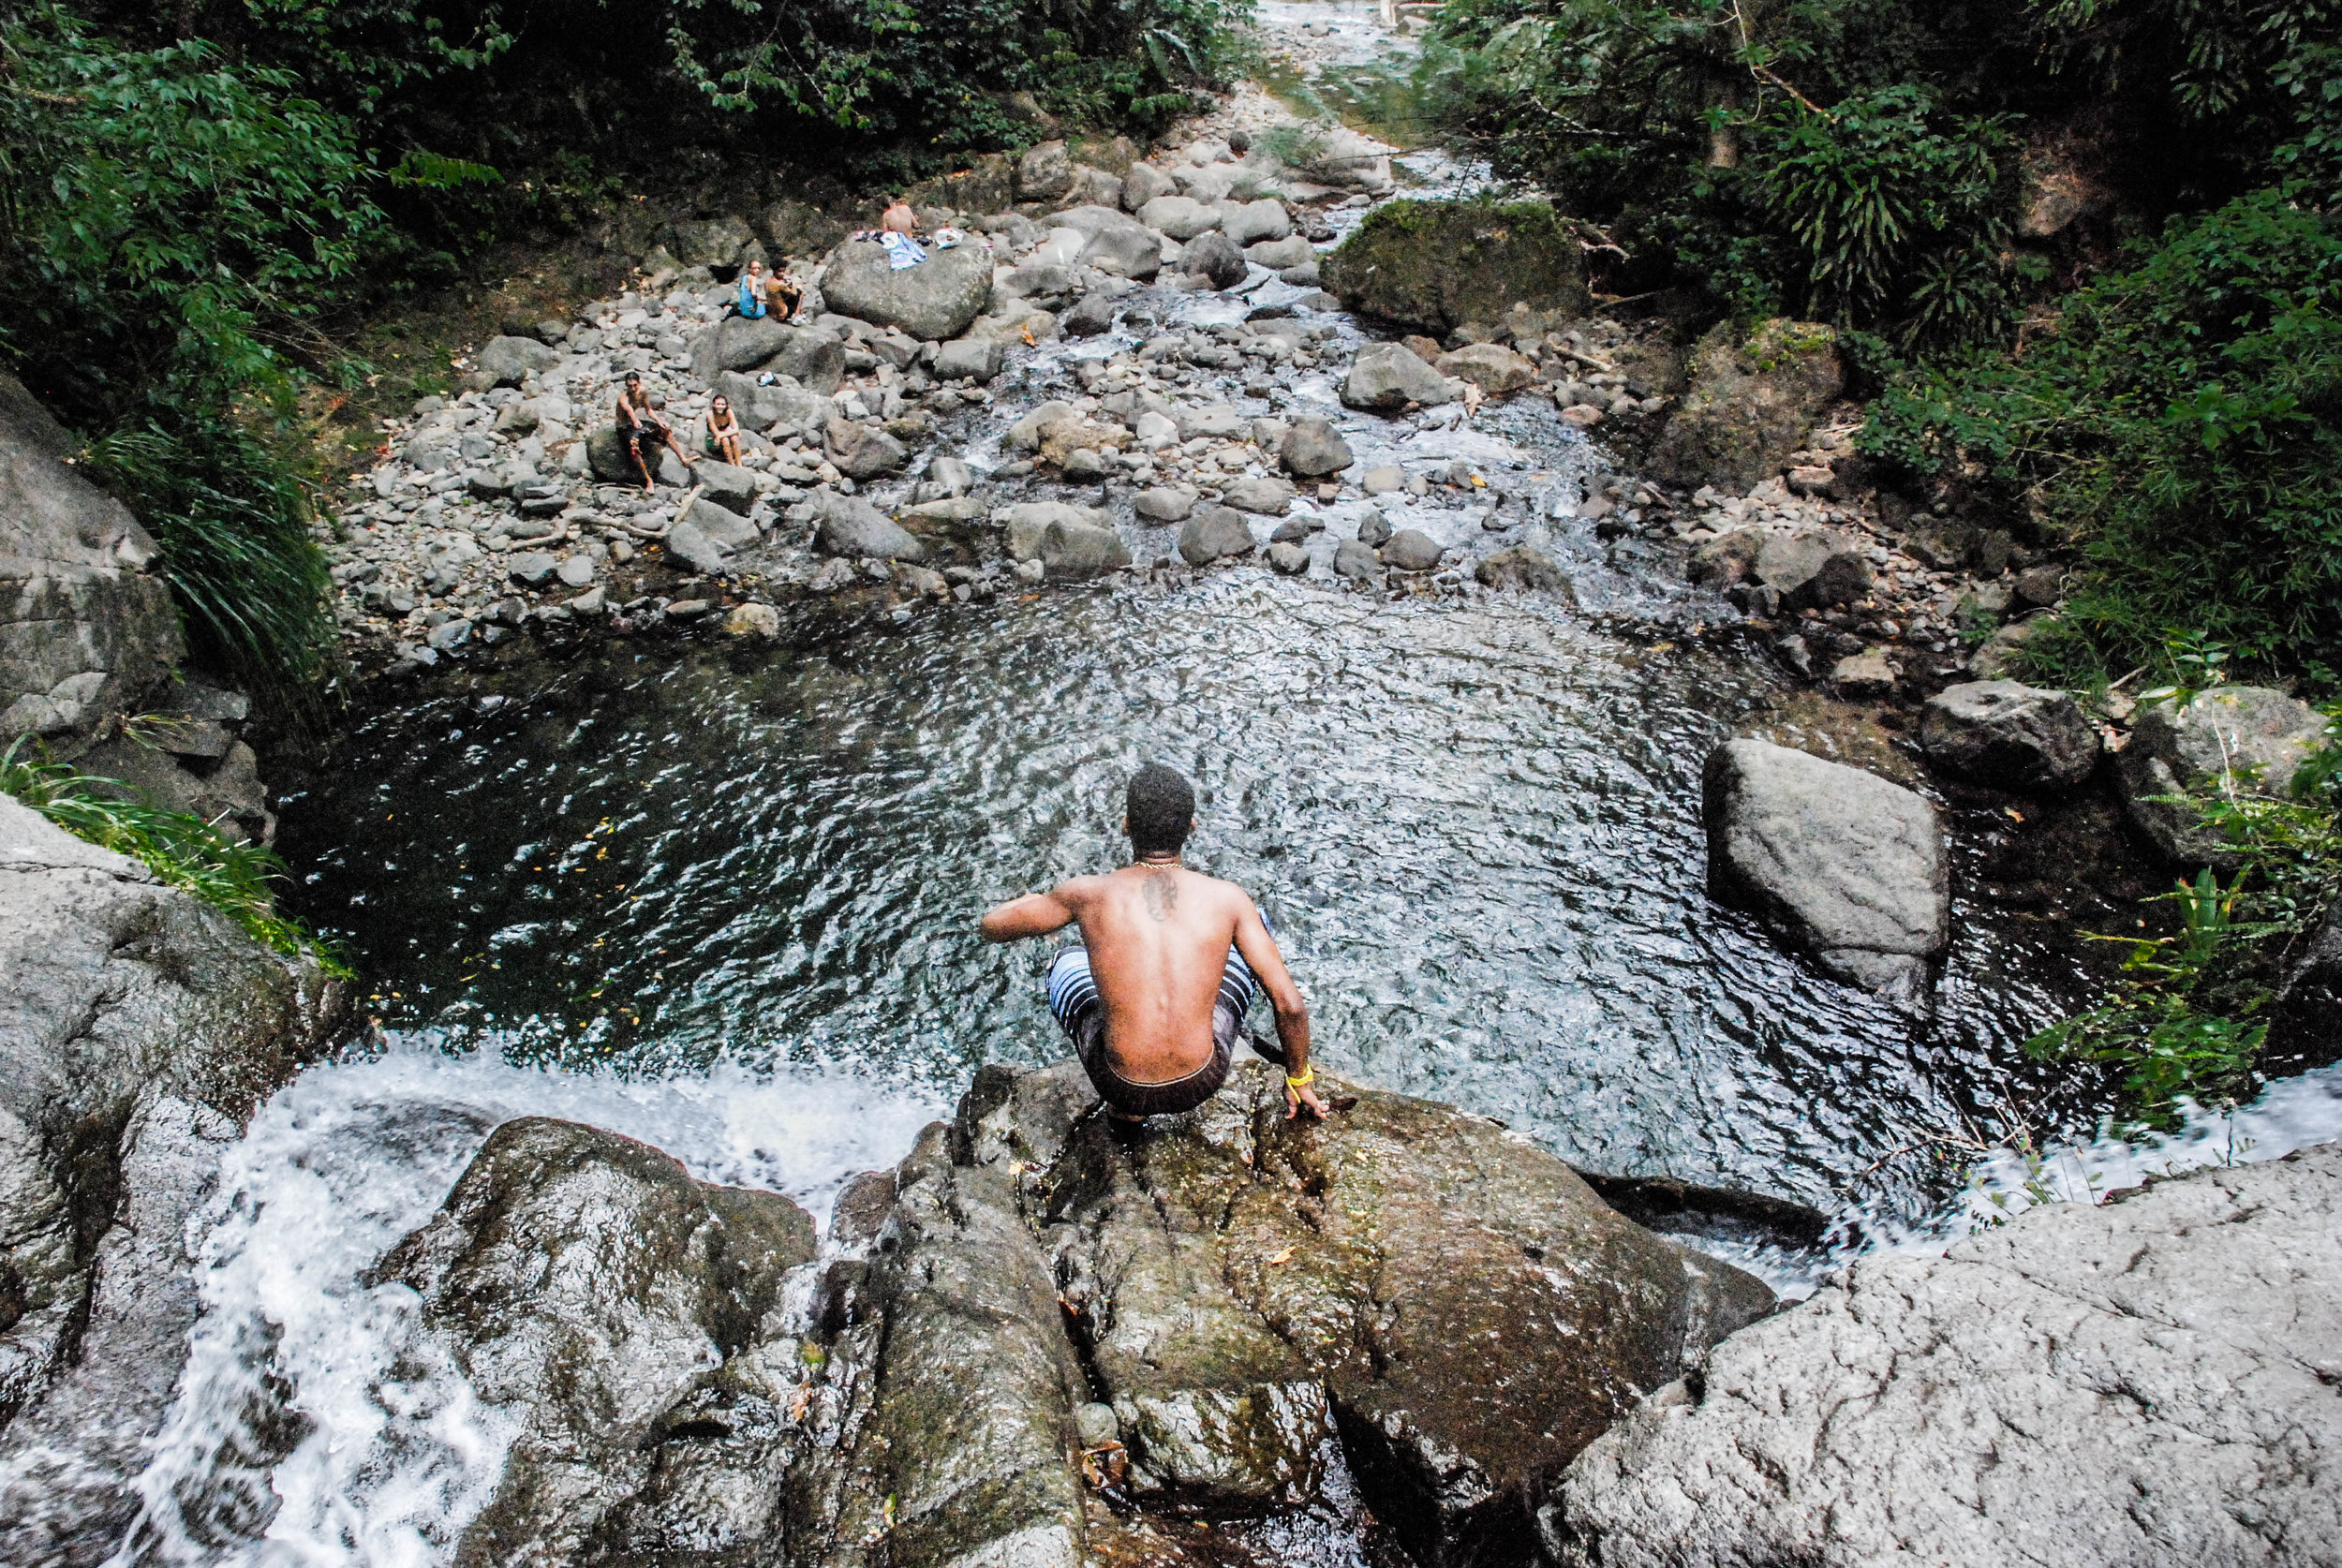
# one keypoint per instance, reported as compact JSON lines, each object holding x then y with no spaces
{"x":1158,"y":938}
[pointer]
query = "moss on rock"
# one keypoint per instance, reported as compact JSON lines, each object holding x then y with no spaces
{"x":1441,"y":264}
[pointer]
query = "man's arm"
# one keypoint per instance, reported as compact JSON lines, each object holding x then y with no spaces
{"x":1036,"y":914}
{"x":1292,"y":1014}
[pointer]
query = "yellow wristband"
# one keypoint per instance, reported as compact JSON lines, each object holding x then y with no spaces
{"x":1309,"y":1076}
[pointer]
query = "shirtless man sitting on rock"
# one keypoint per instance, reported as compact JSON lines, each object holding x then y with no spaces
{"x":1155,"y":995}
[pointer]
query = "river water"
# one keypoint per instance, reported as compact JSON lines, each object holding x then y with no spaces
{"x":722,"y":898}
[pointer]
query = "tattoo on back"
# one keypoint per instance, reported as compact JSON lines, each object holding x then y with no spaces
{"x":1163,"y":895}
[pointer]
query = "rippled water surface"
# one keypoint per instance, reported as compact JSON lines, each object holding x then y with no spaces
{"x":1475,"y":827}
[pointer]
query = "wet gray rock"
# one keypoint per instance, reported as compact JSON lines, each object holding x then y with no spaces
{"x":1244,"y":1284}
{"x":970,"y":359}
{"x":1249,"y":222}
{"x":1214,"y":257}
{"x":1181,"y":217}
{"x":863,"y":450}
{"x":511,"y":361}
{"x":2246,"y":738}
{"x":855,"y":528}
{"x":1375,"y":530}
{"x":1288,"y":559}
{"x":1269,"y":498}
{"x":2148,"y":1383}
{"x":725,"y":485}
{"x":1411,"y":550}
{"x":1215,"y":534}
{"x":784,"y":406}
{"x":1523,"y":566}
{"x":1164,"y":504}
{"x":724,"y":525}
{"x":592,"y":1288}
{"x":1842,"y":865}
{"x":139,"y":1031}
{"x":1355,"y":560}
{"x":1092,"y":316}
{"x":933,"y":302}
{"x":687,"y":542}
{"x":1070,"y":543}
{"x":1387,"y":377}
{"x":1753,"y":398}
{"x":87,"y":628}
{"x":1129,"y":249}
{"x":1313,"y":448}
{"x":2009,"y":735}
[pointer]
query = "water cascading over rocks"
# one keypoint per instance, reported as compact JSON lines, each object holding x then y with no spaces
{"x":1454,"y":1308}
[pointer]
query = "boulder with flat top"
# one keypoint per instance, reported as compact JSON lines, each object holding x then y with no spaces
{"x":933,"y":301}
{"x":1839,"y":864}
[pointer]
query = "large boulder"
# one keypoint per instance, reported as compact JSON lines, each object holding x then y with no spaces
{"x":970,"y":359}
{"x":139,"y":1029}
{"x":811,"y":357}
{"x":1250,"y":222}
{"x":1045,"y":172}
{"x":1133,"y":251}
{"x":590,"y":1285}
{"x":933,"y":301}
{"x":1839,"y":862}
{"x":1754,"y":396}
{"x":715,"y":241}
{"x":1215,"y":258}
{"x":87,"y":628}
{"x":1181,"y":217}
{"x":797,"y":229}
{"x":861,"y":450}
{"x":2147,"y":1382}
{"x":2246,"y":739}
{"x":855,"y":528}
{"x":512,"y":361}
{"x":1438,"y":265}
{"x":2009,"y":736}
{"x":1387,"y":376}
{"x":782,"y":405}
{"x":1467,"y":1319}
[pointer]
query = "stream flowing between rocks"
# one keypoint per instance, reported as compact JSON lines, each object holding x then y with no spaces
{"x":722,"y":897}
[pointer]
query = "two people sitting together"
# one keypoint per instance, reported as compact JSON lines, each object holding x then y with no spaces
{"x":643,"y":431}
{"x":1153,"y":994}
{"x":761,"y":294}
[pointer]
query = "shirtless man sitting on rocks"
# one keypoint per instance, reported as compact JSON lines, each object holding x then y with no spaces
{"x":1154,"y":997}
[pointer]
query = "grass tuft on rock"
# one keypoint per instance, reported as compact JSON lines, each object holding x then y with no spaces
{"x":183,"y":850}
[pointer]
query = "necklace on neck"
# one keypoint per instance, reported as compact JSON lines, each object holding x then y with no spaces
{"x":1171,"y":864}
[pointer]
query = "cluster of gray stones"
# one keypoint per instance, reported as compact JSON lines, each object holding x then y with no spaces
{"x":510,"y":504}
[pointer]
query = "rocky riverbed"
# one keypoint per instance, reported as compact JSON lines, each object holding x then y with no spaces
{"x":416,"y":1307}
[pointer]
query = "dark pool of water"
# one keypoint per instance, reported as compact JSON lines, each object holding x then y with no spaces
{"x":1476,"y":828}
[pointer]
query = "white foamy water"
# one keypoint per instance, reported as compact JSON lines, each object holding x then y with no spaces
{"x":319,"y":1421}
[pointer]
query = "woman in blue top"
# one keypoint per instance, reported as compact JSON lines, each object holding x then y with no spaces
{"x":751,"y":302}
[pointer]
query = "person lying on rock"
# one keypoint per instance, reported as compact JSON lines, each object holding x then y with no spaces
{"x":751,"y":300}
{"x":641,"y":431}
{"x":1154,"y":993}
{"x":723,"y":431}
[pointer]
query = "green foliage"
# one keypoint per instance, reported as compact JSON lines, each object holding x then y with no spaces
{"x":184,"y":851}
{"x":2190,"y":1013}
{"x":2179,"y":429}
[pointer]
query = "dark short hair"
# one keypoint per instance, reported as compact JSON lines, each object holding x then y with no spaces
{"x":1162,"y":808}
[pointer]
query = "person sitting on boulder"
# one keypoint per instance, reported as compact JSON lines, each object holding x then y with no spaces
{"x":898,"y":218}
{"x":751,"y":300}
{"x":1154,"y":993}
{"x":723,"y":431}
{"x":784,"y":296}
{"x":642,"y":429}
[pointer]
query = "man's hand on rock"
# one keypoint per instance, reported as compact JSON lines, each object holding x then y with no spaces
{"x":1306,"y":1095}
